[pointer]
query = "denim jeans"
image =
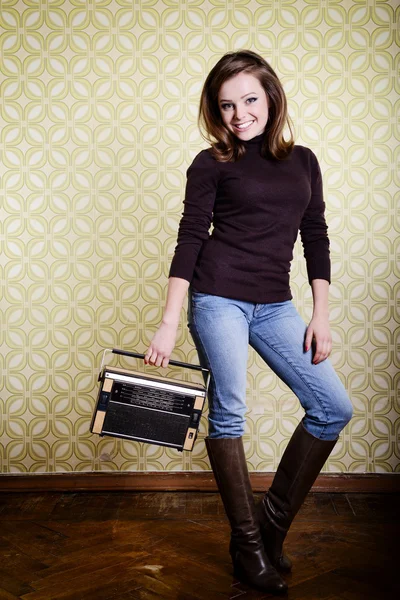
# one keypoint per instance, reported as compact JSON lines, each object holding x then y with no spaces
{"x":222,"y":328}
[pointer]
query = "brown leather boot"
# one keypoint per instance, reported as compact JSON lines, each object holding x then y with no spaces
{"x":250,"y":562}
{"x":303,"y":459}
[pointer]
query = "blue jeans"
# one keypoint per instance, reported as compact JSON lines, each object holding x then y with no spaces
{"x":222,"y":328}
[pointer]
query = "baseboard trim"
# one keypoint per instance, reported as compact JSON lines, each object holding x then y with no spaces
{"x":185,"y":481}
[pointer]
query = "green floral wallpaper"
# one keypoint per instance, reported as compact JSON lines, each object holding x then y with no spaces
{"x":98,"y":120}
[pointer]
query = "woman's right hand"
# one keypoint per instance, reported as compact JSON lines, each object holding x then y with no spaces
{"x":161,"y":345}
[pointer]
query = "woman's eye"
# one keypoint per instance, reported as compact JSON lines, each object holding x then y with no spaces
{"x":224,"y":105}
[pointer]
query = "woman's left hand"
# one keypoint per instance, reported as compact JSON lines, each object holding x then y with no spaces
{"x":320,"y":330}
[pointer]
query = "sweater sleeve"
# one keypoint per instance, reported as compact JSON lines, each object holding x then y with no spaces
{"x":200,"y":193}
{"x":314,"y":230}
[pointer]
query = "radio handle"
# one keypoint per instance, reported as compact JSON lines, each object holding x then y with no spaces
{"x":175,"y":363}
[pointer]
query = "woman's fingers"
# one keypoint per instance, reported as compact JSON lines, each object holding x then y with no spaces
{"x":156,"y":359}
{"x":150,"y":356}
{"x":161,"y":346}
{"x":323,"y":350}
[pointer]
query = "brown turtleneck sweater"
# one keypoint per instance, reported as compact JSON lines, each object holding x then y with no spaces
{"x":257,"y":207}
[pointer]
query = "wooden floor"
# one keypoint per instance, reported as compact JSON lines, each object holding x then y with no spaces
{"x":148,"y":546}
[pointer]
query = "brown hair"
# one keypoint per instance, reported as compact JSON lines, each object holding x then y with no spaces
{"x":227,"y":147}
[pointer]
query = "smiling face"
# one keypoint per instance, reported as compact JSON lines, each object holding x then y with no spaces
{"x":242,"y":100}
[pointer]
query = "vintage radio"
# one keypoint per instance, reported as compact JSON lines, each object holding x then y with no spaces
{"x":149,"y":408}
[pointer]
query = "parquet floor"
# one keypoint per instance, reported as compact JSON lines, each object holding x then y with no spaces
{"x":153,"y":546}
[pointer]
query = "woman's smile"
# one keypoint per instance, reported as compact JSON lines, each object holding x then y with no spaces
{"x":243,"y":126}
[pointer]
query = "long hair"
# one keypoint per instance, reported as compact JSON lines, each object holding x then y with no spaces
{"x":226,"y":147}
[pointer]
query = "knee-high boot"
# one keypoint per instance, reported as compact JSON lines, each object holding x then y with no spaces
{"x":250,"y":562}
{"x":303,"y":459}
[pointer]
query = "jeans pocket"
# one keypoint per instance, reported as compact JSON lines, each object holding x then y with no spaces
{"x":203,"y":301}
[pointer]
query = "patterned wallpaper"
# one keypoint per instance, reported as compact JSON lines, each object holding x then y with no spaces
{"x":98,"y":117}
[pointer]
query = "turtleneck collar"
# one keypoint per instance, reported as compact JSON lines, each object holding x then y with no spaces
{"x":255,"y":141}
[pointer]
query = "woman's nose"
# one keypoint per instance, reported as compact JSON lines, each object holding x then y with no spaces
{"x":240,"y":113}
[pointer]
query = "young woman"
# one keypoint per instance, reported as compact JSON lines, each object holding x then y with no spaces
{"x":258,"y":191}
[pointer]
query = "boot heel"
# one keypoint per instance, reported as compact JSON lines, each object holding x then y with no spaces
{"x":273,"y":538}
{"x":269,"y":582}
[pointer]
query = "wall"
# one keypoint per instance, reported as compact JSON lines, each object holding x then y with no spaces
{"x":98,"y":114}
